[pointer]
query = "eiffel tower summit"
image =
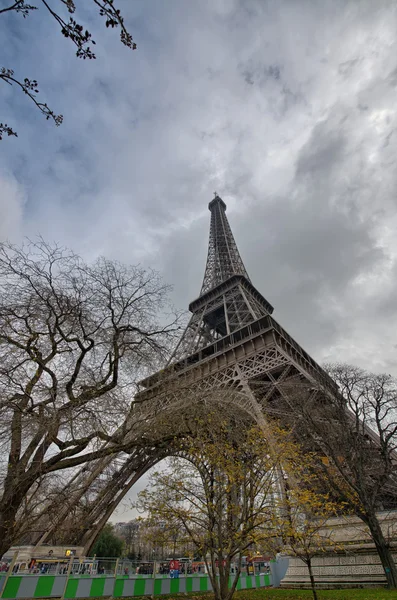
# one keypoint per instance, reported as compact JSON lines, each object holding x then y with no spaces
{"x":232,"y":339}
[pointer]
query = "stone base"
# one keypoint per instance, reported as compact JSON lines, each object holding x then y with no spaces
{"x":361,"y":569}
{"x":355,"y":564}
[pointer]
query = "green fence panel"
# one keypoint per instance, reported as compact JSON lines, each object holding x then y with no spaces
{"x":189,"y":584}
{"x":139,"y":587}
{"x":97,"y":587}
{"x":118,"y":588}
{"x":71,"y":588}
{"x":157,"y":586}
{"x":44,"y":586}
{"x":203,"y":584}
{"x":12,"y":587}
{"x":174,"y":587}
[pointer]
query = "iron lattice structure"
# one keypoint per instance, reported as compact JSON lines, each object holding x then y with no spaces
{"x":231,"y":343}
{"x":231,"y":338}
{"x":223,"y":260}
{"x":228,"y":301}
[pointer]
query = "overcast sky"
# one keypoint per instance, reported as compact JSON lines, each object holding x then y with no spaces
{"x":287,"y":109}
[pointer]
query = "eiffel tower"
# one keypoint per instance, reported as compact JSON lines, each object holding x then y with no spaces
{"x":231,"y":342}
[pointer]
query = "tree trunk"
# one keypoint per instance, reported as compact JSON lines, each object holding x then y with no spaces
{"x":7,"y":520}
{"x":382,"y":548}
{"x":224,"y":583}
{"x":213,"y":578}
{"x":16,"y":486}
{"x":235,"y":580}
{"x":312,"y":582}
{"x":226,"y":592}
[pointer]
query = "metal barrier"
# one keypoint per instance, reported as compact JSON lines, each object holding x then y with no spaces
{"x":77,"y":586}
{"x":113,"y":577}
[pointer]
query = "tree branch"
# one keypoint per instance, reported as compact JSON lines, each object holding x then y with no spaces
{"x":29,"y":87}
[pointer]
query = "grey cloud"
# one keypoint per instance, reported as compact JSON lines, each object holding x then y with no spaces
{"x":346,"y":68}
{"x":308,"y":176}
{"x":322,"y":154}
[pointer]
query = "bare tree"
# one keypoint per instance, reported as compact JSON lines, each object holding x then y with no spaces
{"x":71,"y":30}
{"x":81,"y":501}
{"x":356,"y":433}
{"x":73,"y":339}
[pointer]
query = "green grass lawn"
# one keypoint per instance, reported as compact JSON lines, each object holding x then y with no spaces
{"x":349,"y":594}
{"x":271,"y":594}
